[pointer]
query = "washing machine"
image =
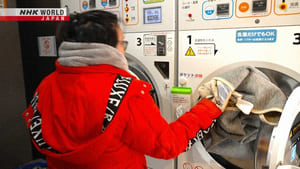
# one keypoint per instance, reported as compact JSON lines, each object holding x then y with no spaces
{"x":149,"y":27}
{"x":216,"y":36}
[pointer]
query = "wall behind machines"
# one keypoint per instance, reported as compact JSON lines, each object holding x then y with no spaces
{"x":35,"y":67}
{"x":14,"y":143}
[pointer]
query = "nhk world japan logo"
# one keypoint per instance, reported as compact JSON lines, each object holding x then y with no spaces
{"x":34,"y":14}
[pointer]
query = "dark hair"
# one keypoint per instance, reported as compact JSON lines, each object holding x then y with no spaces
{"x":92,"y":26}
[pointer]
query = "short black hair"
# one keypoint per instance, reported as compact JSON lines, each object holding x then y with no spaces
{"x":92,"y":26}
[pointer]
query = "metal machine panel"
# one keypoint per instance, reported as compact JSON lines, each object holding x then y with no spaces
{"x":218,"y":35}
{"x":207,"y":14}
{"x":205,"y":53}
{"x":135,"y":15}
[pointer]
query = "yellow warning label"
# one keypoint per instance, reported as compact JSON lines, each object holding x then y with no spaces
{"x":190,"y":52}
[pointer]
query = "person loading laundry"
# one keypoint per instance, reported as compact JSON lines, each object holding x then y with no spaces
{"x":91,"y":113}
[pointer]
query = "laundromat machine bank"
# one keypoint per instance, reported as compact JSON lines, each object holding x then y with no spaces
{"x":260,"y":33}
{"x":186,"y":43}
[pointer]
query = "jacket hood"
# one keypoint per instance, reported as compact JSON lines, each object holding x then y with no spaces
{"x":77,"y":54}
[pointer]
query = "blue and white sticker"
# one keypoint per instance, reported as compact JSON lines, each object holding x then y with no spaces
{"x":256,"y":36}
{"x":85,"y":5}
{"x":293,"y":152}
{"x":209,"y":10}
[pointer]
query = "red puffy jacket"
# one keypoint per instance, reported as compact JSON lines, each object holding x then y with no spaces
{"x":65,"y":120}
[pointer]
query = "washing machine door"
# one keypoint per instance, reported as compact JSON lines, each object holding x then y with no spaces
{"x":137,"y":69}
{"x":284,"y":151}
{"x":271,"y":146}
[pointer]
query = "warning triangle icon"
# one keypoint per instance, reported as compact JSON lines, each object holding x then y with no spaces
{"x":190,"y":52}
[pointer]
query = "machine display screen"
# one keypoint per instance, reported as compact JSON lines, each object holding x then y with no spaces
{"x":152,"y":15}
{"x":223,"y":9}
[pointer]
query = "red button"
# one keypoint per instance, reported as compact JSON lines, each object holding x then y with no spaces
{"x":190,"y":15}
{"x":283,"y":6}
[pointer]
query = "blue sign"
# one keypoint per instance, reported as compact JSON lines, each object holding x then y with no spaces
{"x":104,"y":3}
{"x":85,"y":5}
{"x":256,"y":36}
{"x":209,"y":10}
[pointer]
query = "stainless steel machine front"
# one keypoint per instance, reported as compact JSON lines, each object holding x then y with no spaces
{"x":215,"y":36}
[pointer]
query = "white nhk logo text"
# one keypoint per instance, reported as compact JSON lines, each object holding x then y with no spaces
{"x":34,"y":14}
{"x":47,"y":14}
{"x":43,"y":12}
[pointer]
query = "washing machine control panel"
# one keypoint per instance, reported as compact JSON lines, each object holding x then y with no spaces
{"x":135,"y":15}
{"x":209,"y":14}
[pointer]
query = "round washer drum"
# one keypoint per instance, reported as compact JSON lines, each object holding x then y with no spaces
{"x":259,"y":149}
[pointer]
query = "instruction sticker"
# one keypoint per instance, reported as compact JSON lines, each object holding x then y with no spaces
{"x":150,"y":45}
{"x":206,"y":49}
{"x":256,"y":36}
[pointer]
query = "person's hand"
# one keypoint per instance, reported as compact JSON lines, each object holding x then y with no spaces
{"x":217,"y":91}
{"x":209,"y":91}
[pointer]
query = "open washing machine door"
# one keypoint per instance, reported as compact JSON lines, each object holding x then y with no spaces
{"x":277,"y":147}
{"x":274,"y":147}
{"x":284,"y":149}
{"x":271,"y":148}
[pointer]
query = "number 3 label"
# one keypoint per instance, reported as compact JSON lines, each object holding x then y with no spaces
{"x":297,"y":39}
{"x":139,"y":41}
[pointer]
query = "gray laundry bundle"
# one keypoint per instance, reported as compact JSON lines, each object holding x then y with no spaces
{"x":255,"y":87}
{"x":234,"y":128}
